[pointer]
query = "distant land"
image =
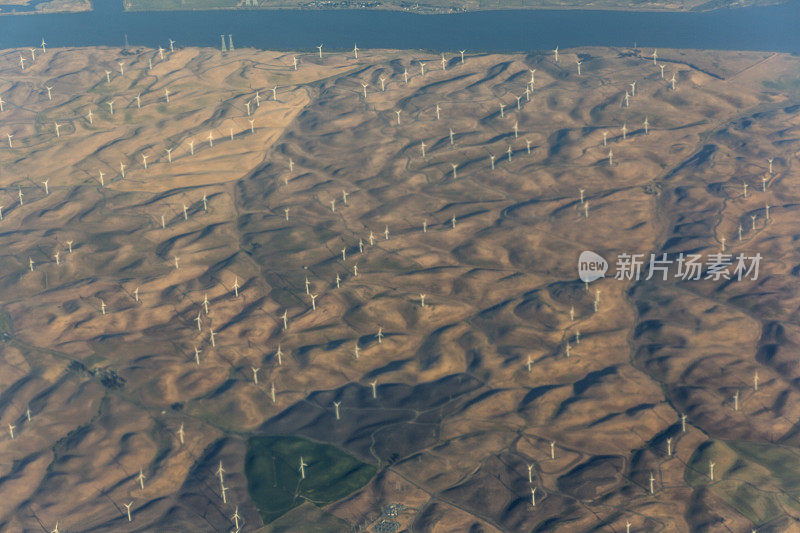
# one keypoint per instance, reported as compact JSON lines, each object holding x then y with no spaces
{"x":444,"y":6}
{"x":27,"y":7}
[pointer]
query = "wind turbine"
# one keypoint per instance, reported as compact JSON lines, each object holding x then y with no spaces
{"x":220,"y":470}
{"x":128,"y":508}
{"x":555,"y":52}
{"x":320,"y":50}
{"x":355,"y":51}
{"x":236,"y":518}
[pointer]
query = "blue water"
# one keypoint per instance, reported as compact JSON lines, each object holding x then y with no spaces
{"x":774,"y":28}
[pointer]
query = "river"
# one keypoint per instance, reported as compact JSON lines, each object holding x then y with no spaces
{"x":773,"y":28}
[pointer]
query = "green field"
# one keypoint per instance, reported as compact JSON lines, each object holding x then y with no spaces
{"x":273,"y":475}
{"x":761,"y":481}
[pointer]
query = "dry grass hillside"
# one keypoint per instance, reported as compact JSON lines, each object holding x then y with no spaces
{"x":149,"y":252}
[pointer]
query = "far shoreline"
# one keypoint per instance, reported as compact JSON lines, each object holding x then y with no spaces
{"x":426,"y":10}
{"x":453,"y":11}
{"x":81,"y":8}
